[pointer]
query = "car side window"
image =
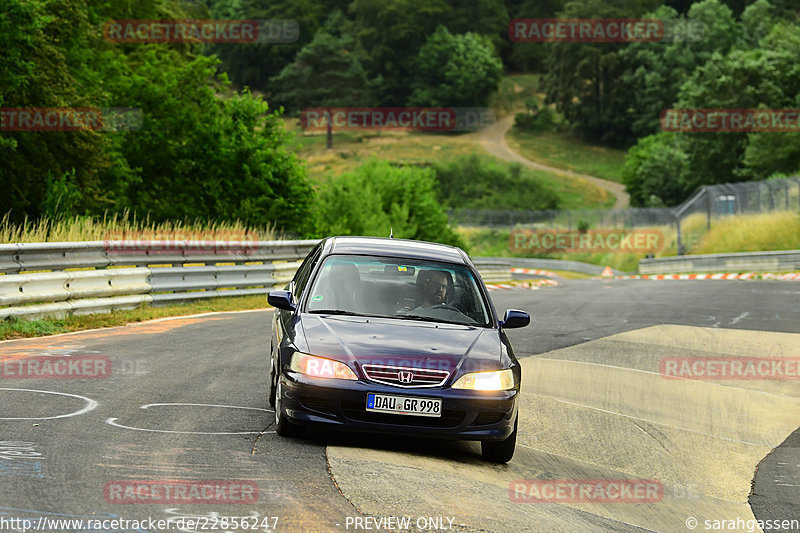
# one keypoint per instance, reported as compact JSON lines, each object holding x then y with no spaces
{"x":304,"y":272}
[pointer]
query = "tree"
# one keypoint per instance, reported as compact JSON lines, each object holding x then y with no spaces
{"x":768,"y":76}
{"x":655,"y":171}
{"x":757,"y":21}
{"x":254,"y":64}
{"x":327,"y":72}
{"x":582,"y":79}
{"x":528,"y":57}
{"x":455,"y":70}
{"x":744,"y":78}
{"x":47,"y":52}
{"x":377,"y":197}
{"x":198,"y":156}
{"x":655,"y":71}
{"x":769,"y":153}
{"x":393,"y":31}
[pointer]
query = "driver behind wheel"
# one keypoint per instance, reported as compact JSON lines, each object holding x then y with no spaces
{"x":434,"y":288}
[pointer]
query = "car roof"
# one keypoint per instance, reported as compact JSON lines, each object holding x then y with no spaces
{"x":395,"y":248}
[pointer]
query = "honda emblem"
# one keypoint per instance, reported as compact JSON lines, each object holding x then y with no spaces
{"x":405,"y":377}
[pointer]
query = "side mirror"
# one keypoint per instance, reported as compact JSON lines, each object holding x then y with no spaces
{"x":281,"y":300}
{"x":515,"y":319}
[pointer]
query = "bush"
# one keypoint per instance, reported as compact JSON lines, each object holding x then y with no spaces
{"x":535,"y":118}
{"x":475,"y":182}
{"x":655,"y":171}
{"x":378,"y":197}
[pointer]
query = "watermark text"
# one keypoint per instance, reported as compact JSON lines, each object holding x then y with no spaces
{"x":586,"y":490}
{"x":590,"y":241}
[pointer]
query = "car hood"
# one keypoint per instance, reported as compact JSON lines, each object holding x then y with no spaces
{"x":397,"y":342}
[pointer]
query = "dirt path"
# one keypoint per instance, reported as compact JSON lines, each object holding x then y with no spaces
{"x":493,"y":140}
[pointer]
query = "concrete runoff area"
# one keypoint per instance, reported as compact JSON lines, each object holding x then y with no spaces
{"x":700,"y":439}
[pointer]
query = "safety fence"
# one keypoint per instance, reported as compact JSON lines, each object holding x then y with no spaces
{"x":66,"y":278}
{"x":709,"y":202}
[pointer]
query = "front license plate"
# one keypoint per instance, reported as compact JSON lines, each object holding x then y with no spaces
{"x":404,"y":405}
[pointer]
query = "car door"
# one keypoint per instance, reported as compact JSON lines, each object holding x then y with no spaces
{"x":284,"y":320}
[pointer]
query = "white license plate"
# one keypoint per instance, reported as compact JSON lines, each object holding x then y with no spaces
{"x":404,"y":405}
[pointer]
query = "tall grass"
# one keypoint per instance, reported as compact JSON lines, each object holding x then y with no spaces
{"x":126,"y":226}
{"x":752,"y":233}
{"x":561,"y":150}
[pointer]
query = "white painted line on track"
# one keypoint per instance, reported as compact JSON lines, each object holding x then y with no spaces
{"x":113,"y":422}
{"x":206,"y":405}
{"x":738,"y":318}
{"x":90,"y":405}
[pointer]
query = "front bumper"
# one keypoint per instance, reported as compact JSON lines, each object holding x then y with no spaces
{"x":341,"y":404}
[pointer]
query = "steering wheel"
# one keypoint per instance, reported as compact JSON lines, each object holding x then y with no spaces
{"x":444,"y":306}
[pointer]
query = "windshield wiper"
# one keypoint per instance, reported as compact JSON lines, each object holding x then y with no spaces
{"x":334,"y":312}
{"x":404,"y":316}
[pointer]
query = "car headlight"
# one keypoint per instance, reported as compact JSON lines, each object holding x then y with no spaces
{"x":319,"y":367}
{"x":496,"y":380}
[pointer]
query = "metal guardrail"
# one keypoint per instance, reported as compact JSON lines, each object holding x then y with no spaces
{"x":554,"y":264}
{"x":172,"y":284}
{"x":734,"y":262}
{"x":15,"y":258}
{"x":61,"y":286}
{"x":66,"y":278}
{"x":493,"y":270}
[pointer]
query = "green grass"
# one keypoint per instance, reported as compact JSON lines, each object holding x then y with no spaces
{"x":567,"y":274}
{"x":482,"y":182}
{"x":575,"y":193}
{"x":17,"y":328}
{"x":493,"y":242}
{"x":747,"y":233}
{"x":742,"y":233}
{"x":561,"y":150}
{"x":117,"y":227}
{"x":352,"y":148}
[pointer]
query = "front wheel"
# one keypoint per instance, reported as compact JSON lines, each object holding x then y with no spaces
{"x":283,"y":426}
{"x":500,"y":451}
{"x":272,"y":376}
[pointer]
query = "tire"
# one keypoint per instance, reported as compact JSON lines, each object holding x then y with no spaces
{"x":283,"y":426}
{"x":271,"y":381}
{"x":500,"y":451}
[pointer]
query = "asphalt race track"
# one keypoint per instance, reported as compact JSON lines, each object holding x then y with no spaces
{"x":184,"y":404}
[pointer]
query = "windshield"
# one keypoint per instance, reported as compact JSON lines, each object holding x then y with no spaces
{"x":404,"y":289}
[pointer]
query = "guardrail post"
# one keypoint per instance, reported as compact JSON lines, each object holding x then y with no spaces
{"x":758,"y":197}
{"x":681,"y":249}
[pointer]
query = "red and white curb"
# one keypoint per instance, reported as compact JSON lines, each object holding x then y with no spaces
{"x":534,"y":285}
{"x":795,"y":276}
{"x":545,"y":273}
